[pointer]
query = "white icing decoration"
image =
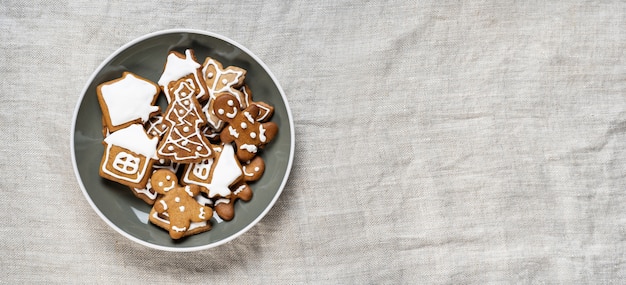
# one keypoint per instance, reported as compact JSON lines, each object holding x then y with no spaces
{"x":179,"y":230}
{"x":231,"y":103}
{"x":146,"y":191}
{"x":176,"y":68}
{"x":256,"y":168}
{"x":167,"y":189}
{"x":262,"y":136}
{"x":249,"y":147}
{"x":135,"y":139}
{"x":265,"y":114}
{"x":233,"y":132}
{"x":249,"y":117}
{"x":129,"y":99}
{"x":126,"y":163}
{"x":186,"y":129}
{"x":177,"y":199}
{"x":181,"y":208}
{"x":222,"y":201}
{"x":193,"y":225}
{"x":233,"y":114}
{"x":224,"y":81}
{"x":225,"y":171}
{"x":188,"y":190}
{"x":209,"y":75}
{"x":160,"y":183}
{"x":163,"y":204}
{"x":244,"y":125}
{"x":253,"y":135}
{"x":203,"y":200}
{"x":217,"y":217}
{"x":239,"y":189}
{"x":221,"y":111}
{"x":202,"y":214}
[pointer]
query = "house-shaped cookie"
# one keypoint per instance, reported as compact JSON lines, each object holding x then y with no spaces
{"x":128,"y":156}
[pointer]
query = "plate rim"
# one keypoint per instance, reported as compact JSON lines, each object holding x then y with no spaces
{"x":137,"y":40}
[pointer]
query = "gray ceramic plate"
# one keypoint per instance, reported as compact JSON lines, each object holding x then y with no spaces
{"x":146,"y":56}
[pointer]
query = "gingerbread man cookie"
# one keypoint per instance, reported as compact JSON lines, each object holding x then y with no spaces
{"x":252,"y":171}
{"x":243,"y":127}
{"x":177,"y":210}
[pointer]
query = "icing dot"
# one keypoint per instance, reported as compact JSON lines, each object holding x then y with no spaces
{"x":186,"y":102}
{"x":224,"y":81}
{"x":185,"y":129}
{"x":168,"y":178}
{"x":256,"y":168}
{"x":163,"y":127}
{"x":184,"y":143}
{"x":181,"y":208}
{"x":244,"y":125}
{"x":170,"y":148}
{"x":177,"y":199}
{"x":181,"y":111}
{"x":183,"y":94}
{"x":161,"y":161}
{"x":154,"y":133}
{"x":199,"y":148}
{"x":160,"y":183}
{"x":209,"y":75}
{"x":221,"y":111}
{"x":253,"y":135}
{"x":231,"y":103}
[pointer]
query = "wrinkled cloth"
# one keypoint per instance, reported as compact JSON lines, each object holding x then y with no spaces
{"x":436,"y":142}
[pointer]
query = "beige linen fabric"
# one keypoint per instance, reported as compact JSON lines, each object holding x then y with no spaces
{"x":436,"y":142}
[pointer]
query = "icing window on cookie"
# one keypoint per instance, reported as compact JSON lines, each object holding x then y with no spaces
{"x":126,"y":163}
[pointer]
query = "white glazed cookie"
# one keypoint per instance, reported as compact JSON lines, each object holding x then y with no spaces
{"x":127,"y":100}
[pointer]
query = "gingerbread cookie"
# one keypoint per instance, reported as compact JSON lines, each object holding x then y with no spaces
{"x":252,"y":171}
{"x":183,"y":141}
{"x":265,"y":110}
{"x":148,"y":194}
{"x":127,"y":100}
{"x":179,"y":66}
{"x":243,"y":128}
{"x":177,"y":210}
{"x":215,"y":175}
{"x":220,"y":80}
{"x":128,"y":156}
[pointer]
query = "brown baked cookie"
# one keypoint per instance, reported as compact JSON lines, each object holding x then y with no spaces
{"x":177,"y":210}
{"x":127,"y":100}
{"x":178,"y":66}
{"x":243,"y":128}
{"x":219,"y":81}
{"x":128,"y":156}
{"x":184,"y":141}
{"x":252,"y":170}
